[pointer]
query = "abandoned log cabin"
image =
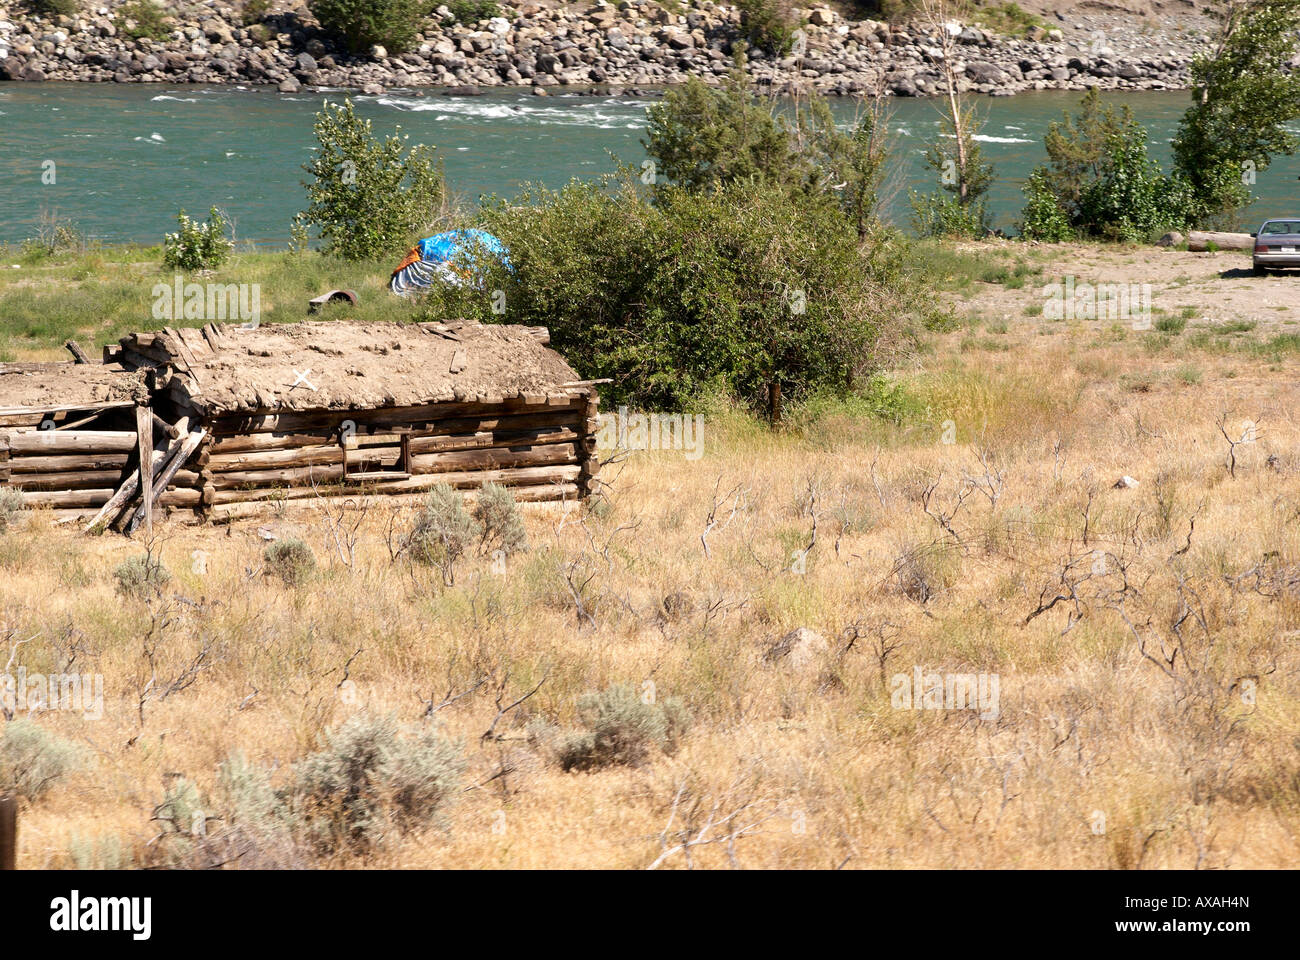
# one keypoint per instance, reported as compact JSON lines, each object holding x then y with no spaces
{"x":229,"y":418}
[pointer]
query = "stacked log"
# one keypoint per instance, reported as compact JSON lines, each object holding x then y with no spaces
{"x":79,"y":469}
{"x":542,"y":447}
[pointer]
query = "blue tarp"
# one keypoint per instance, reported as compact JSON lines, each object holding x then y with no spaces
{"x":456,"y":256}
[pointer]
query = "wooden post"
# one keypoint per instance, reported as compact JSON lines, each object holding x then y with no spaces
{"x":78,"y":354}
{"x":144,"y":435}
{"x":774,"y":402}
{"x":8,"y":833}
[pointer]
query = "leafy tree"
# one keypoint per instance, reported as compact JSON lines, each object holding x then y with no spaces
{"x":704,"y":138}
{"x":956,"y":155}
{"x":360,"y":24}
{"x":1132,"y":200}
{"x":964,"y":175}
{"x":1100,"y":181}
{"x":727,"y":290}
{"x":1044,"y":217}
{"x":1243,"y":95}
{"x":701,"y":137}
{"x":847,"y":164}
{"x":369,"y":198}
{"x":1077,"y":148}
{"x":769,"y":25}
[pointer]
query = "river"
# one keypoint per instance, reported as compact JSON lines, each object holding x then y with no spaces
{"x":125,"y":158}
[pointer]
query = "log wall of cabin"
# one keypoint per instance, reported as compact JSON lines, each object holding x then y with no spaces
{"x":542,"y":447}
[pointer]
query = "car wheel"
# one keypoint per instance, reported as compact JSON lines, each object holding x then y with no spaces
{"x":1260,"y":271}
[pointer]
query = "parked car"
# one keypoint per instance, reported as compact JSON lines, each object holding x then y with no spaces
{"x":1277,"y":244}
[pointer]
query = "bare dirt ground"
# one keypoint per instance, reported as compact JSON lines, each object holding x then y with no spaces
{"x":1211,"y":290}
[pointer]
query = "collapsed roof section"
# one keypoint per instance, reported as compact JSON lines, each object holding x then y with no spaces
{"x":332,"y":365}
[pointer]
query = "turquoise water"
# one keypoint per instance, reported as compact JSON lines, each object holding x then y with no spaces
{"x":127,"y":157}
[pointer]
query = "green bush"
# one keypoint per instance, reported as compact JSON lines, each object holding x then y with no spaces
{"x":141,"y":576}
{"x":1132,"y":200}
{"x":198,"y":245}
{"x":701,"y":293}
{"x":701,"y":137}
{"x":443,"y":531}
{"x":147,"y":17}
{"x":943,"y":215}
{"x":369,"y":199}
{"x":32,"y":758}
{"x":373,"y":776}
{"x":289,"y":559}
{"x":361,"y":24}
{"x":768,"y":24}
{"x":1043,"y":217}
{"x":499,"y":519}
{"x":472,"y":11}
{"x":54,"y":8}
{"x":1100,"y":182}
{"x":11,"y":504}
{"x":255,"y":11}
{"x":621,"y":729}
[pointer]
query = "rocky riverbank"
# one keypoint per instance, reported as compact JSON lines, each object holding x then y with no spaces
{"x":603,"y":48}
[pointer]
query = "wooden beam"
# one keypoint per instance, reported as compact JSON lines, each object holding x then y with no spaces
{"x":128,"y":488}
{"x":522,"y":476}
{"x":61,"y":407}
{"x":74,"y":348}
{"x":49,"y":442}
{"x":144,"y":431}
{"x":159,"y":486}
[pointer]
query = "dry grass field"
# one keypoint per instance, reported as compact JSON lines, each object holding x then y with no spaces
{"x":1138,"y":646}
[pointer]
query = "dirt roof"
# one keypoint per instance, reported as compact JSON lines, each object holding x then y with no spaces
{"x":67,"y":386}
{"x":337,"y":365}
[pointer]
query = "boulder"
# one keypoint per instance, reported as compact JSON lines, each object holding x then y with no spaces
{"x":983,"y":72}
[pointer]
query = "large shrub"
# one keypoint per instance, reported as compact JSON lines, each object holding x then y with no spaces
{"x":702,"y":137}
{"x":198,"y":245}
{"x":1044,"y":218}
{"x":361,"y":24}
{"x":1131,"y":199}
{"x":500,"y":522}
{"x":11,"y":505}
{"x":728,"y":290}
{"x":443,"y":531}
{"x":1099,"y":180}
{"x":32,"y":758}
{"x":369,"y":198}
{"x":621,"y":728}
{"x":373,"y":776}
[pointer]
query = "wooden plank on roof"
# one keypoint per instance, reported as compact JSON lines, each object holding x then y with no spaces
{"x":61,"y":407}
